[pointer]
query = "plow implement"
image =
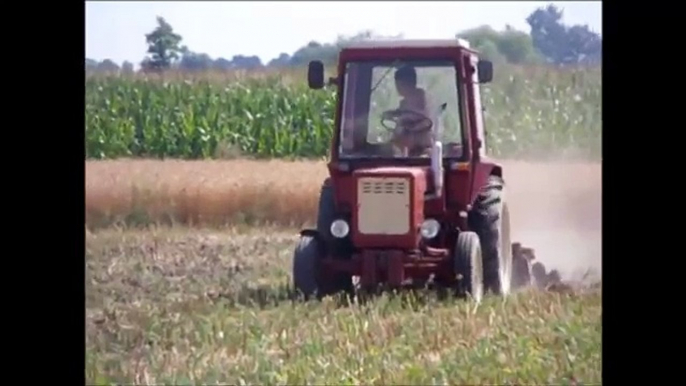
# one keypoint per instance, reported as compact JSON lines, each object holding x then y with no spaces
{"x":527,"y":273}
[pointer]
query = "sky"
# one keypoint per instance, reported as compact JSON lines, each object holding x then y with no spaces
{"x":115,"y":30}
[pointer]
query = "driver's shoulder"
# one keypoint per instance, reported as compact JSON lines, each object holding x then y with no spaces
{"x":421,"y":99}
{"x":419,"y":94}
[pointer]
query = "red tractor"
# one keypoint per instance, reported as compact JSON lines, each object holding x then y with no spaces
{"x":412,"y":196}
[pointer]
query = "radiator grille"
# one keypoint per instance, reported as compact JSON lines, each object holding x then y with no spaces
{"x":380,"y":186}
{"x":383,"y":205}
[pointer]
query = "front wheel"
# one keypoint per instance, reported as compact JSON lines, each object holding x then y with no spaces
{"x":306,"y":266}
{"x":308,"y":277}
{"x":468,"y":261}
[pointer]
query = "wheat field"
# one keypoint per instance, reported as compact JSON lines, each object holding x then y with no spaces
{"x":549,"y":202}
{"x":217,"y":192}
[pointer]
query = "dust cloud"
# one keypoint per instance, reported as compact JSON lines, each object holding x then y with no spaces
{"x":556,"y":210}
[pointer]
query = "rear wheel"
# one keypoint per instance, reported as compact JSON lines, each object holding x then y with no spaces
{"x":468,"y":262}
{"x":490,"y":219}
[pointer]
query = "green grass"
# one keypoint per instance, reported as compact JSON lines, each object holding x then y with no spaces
{"x":531,"y":112}
{"x":182,"y":306}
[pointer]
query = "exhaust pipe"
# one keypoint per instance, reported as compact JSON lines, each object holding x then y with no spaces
{"x":436,"y":170}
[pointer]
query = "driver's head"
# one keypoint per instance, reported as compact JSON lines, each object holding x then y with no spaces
{"x":405,"y":80}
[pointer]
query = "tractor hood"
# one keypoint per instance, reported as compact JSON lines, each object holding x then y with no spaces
{"x":388,"y":206}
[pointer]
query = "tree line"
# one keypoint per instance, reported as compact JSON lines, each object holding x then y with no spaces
{"x":548,"y":41}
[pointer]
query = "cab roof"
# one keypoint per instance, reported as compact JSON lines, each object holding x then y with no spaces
{"x":406,"y":43}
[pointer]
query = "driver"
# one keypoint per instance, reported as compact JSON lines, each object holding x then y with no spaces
{"x":408,"y":134}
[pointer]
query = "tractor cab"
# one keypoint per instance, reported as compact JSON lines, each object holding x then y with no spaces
{"x":399,"y":100}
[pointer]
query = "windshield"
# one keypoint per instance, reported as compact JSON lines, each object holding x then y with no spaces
{"x":399,"y":109}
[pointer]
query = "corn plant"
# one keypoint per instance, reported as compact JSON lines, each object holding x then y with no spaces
{"x":529,"y":113}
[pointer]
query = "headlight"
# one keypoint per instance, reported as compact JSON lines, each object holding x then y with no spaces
{"x":339,"y":229}
{"x":429,"y":228}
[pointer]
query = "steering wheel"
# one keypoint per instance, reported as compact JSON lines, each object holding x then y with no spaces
{"x":393,"y":115}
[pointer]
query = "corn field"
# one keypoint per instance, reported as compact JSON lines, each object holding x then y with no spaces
{"x":530,"y":113}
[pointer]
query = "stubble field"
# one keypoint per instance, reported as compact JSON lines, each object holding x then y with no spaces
{"x":192,"y":299}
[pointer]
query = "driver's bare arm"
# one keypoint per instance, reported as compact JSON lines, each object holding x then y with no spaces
{"x":415,"y":100}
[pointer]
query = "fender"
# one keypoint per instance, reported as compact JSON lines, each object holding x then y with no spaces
{"x":480,"y":173}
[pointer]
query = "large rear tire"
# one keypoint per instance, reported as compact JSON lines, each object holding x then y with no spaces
{"x":490,"y":219}
{"x":468,"y":262}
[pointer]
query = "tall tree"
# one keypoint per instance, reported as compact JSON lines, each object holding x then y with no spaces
{"x":222,"y":64}
{"x":108,"y":66}
{"x":193,"y":61}
{"x":248,"y":62}
{"x":328,"y":52}
{"x":163,"y":46}
{"x":281,"y":61}
{"x":584,"y":45}
{"x":559,"y":43}
{"x":91,"y":65}
{"x":509,"y":45}
{"x":127,"y":67}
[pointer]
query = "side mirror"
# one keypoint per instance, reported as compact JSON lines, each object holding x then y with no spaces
{"x":485,"y":68}
{"x":315,"y":74}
